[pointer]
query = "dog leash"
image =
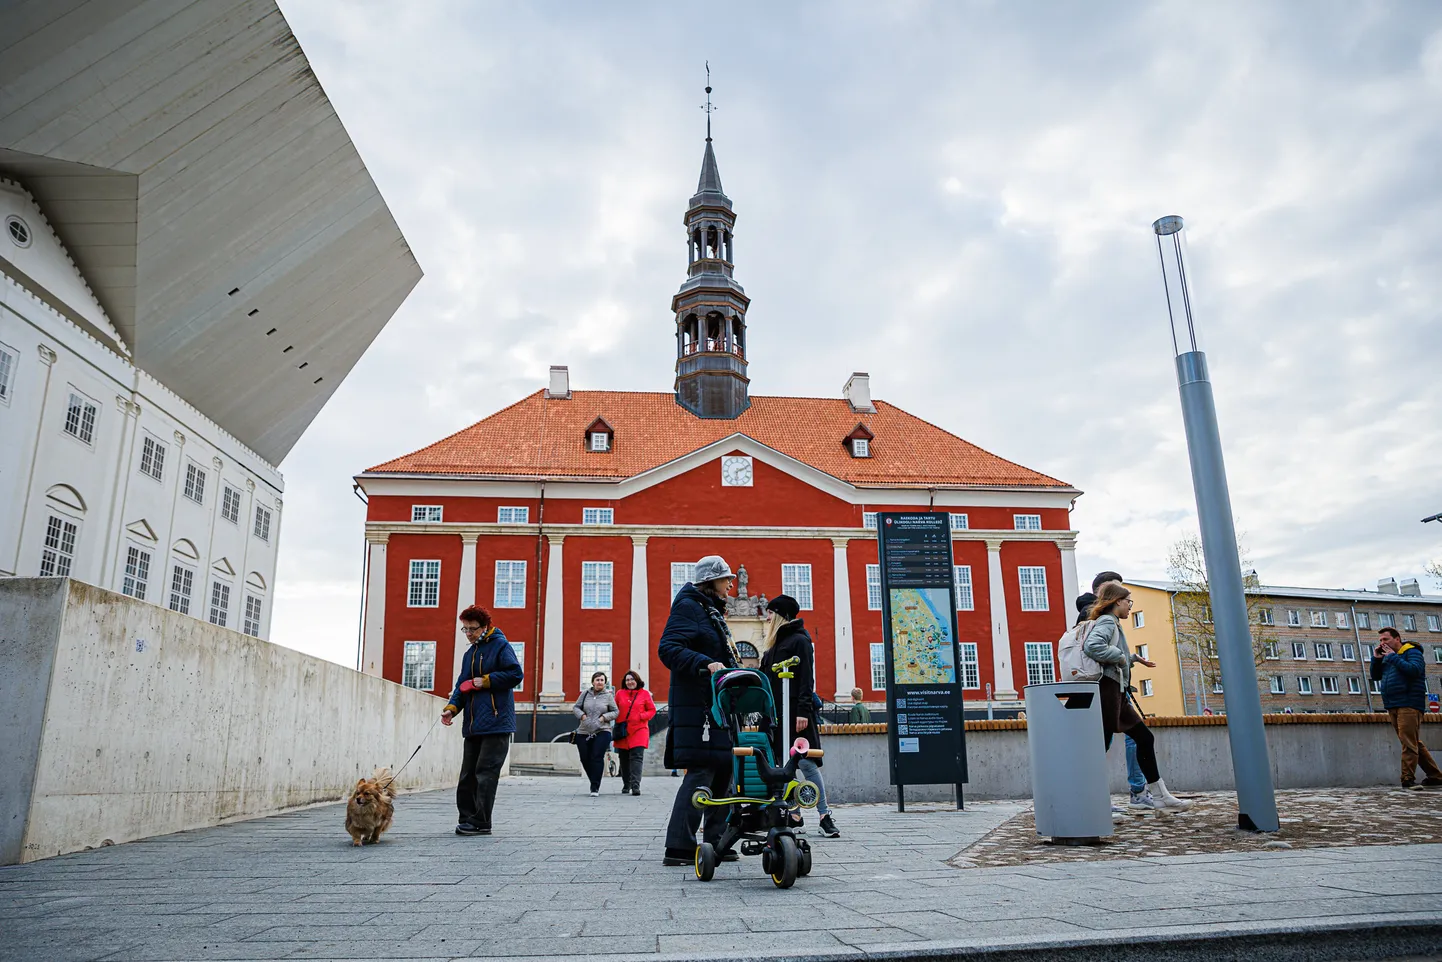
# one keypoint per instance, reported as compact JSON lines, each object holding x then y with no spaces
{"x":392,"y":779}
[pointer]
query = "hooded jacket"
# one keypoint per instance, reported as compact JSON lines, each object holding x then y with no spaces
{"x":690,"y":642}
{"x":792,"y":638}
{"x":490,"y":710}
{"x":1404,"y":678}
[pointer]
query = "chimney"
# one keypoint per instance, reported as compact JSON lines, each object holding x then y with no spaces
{"x":560,"y":382}
{"x":1411,"y":588}
{"x":858,"y":393}
{"x":1388,"y":586}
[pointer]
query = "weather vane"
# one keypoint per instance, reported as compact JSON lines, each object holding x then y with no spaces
{"x":709,"y":106}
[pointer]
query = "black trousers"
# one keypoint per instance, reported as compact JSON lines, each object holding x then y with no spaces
{"x":592,"y":749}
{"x":685,"y":818}
{"x":481,"y":762}
{"x":631,"y":760}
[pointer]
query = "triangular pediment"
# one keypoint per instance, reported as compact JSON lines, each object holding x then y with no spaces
{"x":224,"y":567}
{"x":142,"y":529}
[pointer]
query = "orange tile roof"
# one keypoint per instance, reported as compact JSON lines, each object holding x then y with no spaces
{"x":545,"y":437}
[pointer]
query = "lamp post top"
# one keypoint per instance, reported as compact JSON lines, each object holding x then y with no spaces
{"x":1169,"y":224}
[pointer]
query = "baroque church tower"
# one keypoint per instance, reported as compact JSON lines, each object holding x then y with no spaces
{"x":710,"y":307}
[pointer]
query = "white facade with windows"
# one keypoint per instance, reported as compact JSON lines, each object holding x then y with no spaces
{"x":108,"y":476}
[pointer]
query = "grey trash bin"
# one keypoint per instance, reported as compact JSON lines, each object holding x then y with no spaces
{"x":1068,"y":761}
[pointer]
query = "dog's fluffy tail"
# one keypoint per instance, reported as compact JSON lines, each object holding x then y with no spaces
{"x":388,"y":785}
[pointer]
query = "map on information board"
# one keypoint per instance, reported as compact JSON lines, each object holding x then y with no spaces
{"x":922,"y":652}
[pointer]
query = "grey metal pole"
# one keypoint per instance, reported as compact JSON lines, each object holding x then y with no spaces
{"x":1251,"y":765}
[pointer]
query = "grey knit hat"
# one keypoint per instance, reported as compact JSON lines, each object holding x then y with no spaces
{"x":710,"y":568}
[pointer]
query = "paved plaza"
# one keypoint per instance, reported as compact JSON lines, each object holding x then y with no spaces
{"x":570,"y":875}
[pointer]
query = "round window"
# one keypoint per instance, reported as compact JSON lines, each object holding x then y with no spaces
{"x":18,"y":230}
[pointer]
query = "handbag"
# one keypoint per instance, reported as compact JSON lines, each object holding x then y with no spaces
{"x":622,"y":728}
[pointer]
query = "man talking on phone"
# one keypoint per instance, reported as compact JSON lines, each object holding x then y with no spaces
{"x":1402,"y":670}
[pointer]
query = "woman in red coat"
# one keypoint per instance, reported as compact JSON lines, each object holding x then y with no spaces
{"x":636,"y":711}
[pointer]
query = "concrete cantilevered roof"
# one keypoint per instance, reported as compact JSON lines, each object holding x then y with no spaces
{"x":188,"y":158}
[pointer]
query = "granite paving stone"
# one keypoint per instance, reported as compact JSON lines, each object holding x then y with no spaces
{"x":572,"y":876}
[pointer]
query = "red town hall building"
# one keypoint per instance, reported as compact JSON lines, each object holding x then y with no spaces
{"x":574,"y":516}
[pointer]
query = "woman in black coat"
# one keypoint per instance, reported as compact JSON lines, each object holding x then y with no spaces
{"x":786,"y":637}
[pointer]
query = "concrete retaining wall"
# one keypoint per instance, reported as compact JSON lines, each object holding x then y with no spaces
{"x":1308,"y":751}
{"x":122,"y":720}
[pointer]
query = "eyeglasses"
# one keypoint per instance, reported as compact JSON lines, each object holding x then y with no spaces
{"x":469,"y":629}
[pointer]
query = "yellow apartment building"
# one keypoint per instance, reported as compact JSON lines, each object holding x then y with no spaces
{"x":1150,"y":634}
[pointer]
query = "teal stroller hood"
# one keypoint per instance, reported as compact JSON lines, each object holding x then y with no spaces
{"x":741,"y":698}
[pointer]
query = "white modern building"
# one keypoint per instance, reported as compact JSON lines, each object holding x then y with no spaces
{"x":192,"y":258}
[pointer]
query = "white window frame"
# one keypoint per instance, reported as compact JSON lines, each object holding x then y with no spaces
{"x":152,"y":458}
{"x":958,"y":521}
{"x":1217,"y":686}
{"x":250,"y":618}
{"x":600,"y":441}
{"x":860,"y":447}
{"x":1266,"y":617}
{"x":1294,"y":618}
{"x":1033,"y":588}
{"x":510,"y":584}
{"x":590,"y":665}
{"x":423,"y":583}
{"x":182,"y":586}
{"x":873,"y":587}
{"x":598,"y":515}
{"x":1409,"y":622}
{"x":682,"y":574}
{"x":519,"y":647}
{"x":1040,"y":665}
{"x":796,"y":582}
{"x":1323,"y":650}
{"x":878,"y":666}
{"x":9,"y":364}
{"x":1299,"y":651}
{"x":1377,"y":687}
{"x":1339,"y":620}
{"x":1026,"y":522}
{"x":513,"y":514}
{"x":57,"y":550}
{"x":1143,"y":651}
{"x":426,"y":514}
{"x":1278,"y":685}
{"x":868,"y":520}
{"x":230,"y":504}
{"x":597,"y":584}
{"x":1147,"y":689}
{"x":1270,"y":651}
{"x":262,"y":523}
{"x":1330,"y":680}
{"x":195,"y":482}
{"x":1319,"y":619}
{"x":418,"y":664}
{"x":1139,"y":619}
{"x":961,"y":584}
{"x":969,"y":671}
{"x":87,"y":417}
{"x":1349,"y":651}
{"x":219,"y":608}
{"x":137,"y":572}
{"x":1354,"y":685}
{"x":1434,"y":622}
{"x":1304,"y":685}
{"x":1363,"y":621}
{"x":1386,"y":620}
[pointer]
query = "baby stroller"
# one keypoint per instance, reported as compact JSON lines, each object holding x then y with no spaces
{"x":766,"y":795}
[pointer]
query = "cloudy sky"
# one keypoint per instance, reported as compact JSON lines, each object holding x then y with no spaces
{"x":953,"y":196}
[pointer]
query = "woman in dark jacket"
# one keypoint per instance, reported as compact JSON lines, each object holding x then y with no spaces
{"x":694,"y":645}
{"x":786,"y":637}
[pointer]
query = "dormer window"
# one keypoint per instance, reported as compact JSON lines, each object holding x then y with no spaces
{"x":599,"y":436}
{"x":858,"y":442}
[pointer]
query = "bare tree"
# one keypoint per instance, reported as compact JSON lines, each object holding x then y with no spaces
{"x":1434,"y":568}
{"x":1192,"y":611}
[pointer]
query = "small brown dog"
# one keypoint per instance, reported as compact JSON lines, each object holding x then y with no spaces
{"x":370,"y":809}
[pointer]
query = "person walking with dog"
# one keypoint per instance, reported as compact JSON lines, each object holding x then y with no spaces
{"x":695,"y":644}
{"x":1402,"y":670}
{"x":595,"y":710}
{"x":1106,"y":644}
{"x":786,"y":638}
{"x":632,"y":731}
{"x":484,"y":690}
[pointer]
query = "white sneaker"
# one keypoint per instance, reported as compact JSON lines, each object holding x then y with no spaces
{"x":1148,"y":801}
{"x":1158,"y":789}
{"x":595,"y":794}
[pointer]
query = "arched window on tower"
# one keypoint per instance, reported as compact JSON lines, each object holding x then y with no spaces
{"x":688,"y":334}
{"x":715,"y":332}
{"x":738,"y":336}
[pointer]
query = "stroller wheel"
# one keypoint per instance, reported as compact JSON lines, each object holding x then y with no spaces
{"x":784,"y":862}
{"x":705,"y":861}
{"x":700,"y":797}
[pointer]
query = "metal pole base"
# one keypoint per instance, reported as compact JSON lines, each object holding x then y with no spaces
{"x":1081,"y":840}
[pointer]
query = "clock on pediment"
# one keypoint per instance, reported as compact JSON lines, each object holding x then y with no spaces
{"x":736,"y":470}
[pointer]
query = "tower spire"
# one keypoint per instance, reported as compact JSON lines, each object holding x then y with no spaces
{"x":708,"y":108}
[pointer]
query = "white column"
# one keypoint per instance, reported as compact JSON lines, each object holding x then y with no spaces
{"x":465,"y":596}
{"x":845,"y":642}
{"x":373,"y":647}
{"x":552,"y":654}
{"x":1003,"y":679}
{"x":1070,"y":587}
{"x":640,"y":608}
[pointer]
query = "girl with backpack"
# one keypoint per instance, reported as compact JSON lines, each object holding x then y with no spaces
{"x":1106,"y":644}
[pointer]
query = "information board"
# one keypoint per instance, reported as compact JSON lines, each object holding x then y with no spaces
{"x":923,"y":684}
